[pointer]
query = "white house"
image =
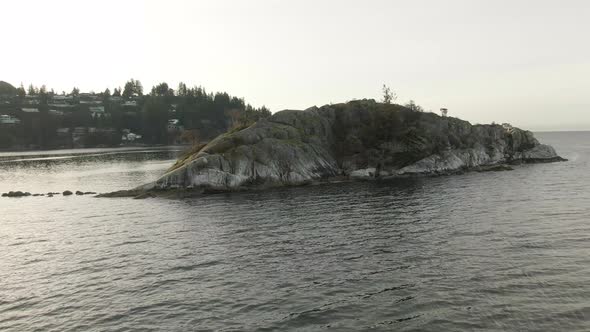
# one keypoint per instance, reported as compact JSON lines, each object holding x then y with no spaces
{"x":30,"y":110}
{"x":61,"y":101}
{"x":56,"y":112}
{"x":97,"y":111}
{"x":31,"y":100}
{"x":130,"y":103}
{"x":63,"y":131}
{"x":130,"y":137}
{"x":9,"y":120}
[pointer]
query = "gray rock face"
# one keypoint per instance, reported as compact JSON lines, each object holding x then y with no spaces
{"x":361,"y":139}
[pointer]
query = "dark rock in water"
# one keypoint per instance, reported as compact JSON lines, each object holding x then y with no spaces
{"x":50,"y":195}
{"x":78,"y":192}
{"x":67,"y":193}
{"x":357,"y":140}
{"x":16,"y":194}
{"x":89,"y":193}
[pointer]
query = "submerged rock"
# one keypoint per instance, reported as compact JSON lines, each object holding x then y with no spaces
{"x":356,"y":140}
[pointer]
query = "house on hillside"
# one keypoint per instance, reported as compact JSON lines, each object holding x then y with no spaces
{"x":174,"y":125}
{"x":32,"y":100}
{"x":9,"y":120}
{"x":130,"y":137}
{"x":30,"y":110}
{"x":130,"y":103}
{"x":97,"y":111}
{"x":63,"y":132}
{"x":55,"y":112}
{"x":61,"y":101}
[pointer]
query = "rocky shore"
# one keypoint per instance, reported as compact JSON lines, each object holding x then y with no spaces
{"x":49,"y":194}
{"x":356,"y":140}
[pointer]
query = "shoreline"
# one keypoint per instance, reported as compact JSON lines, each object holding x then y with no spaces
{"x":187,"y":192}
{"x":124,"y":147}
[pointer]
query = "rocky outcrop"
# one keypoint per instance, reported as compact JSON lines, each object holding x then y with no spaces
{"x":356,"y":140}
{"x":16,"y":194}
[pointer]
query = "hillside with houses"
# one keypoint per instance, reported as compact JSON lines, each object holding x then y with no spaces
{"x":38,"y":118}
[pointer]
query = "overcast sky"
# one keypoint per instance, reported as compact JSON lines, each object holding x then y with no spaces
{"x":525,"y":62}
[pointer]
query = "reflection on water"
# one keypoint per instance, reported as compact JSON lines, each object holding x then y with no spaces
{"x":86,"y":169}
{"x":491,"y":251}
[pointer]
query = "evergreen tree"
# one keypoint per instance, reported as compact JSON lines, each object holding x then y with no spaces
{"x":32,"y":90}
{"x":20,"y":91}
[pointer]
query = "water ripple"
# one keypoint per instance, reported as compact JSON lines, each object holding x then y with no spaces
{"x":480,"y":251}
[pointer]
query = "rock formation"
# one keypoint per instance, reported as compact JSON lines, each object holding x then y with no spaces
{"x":356,"y":140}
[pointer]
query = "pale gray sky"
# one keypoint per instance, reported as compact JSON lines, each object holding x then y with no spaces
{"x":525,"y":62}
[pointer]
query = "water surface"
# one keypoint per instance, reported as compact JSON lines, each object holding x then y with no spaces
{"x":480,"y":251}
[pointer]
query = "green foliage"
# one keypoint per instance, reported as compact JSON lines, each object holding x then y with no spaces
{"x":132,"y":88}
{"x":154,"y":120}
{"x":389,"y":135}
{"x":182,"y":89}
{"x":21,"y":92}
{"x":162,"y":89}
{"x":7,"y":89}
{"x":32,"y":90}
{"x":202,"y":114}
{"x":414,"y":107}
{"x":187,"y":155}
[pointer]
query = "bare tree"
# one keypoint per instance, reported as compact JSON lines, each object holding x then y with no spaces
{"x":388,"y":95}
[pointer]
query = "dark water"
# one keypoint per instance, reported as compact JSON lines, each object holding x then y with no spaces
{"x":480,"y":251}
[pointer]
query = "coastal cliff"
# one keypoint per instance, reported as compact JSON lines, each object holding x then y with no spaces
{"x":356,"y":140}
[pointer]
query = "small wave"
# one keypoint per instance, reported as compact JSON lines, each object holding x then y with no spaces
{"x":195,"y":266}
{"x":128,"y":243}
{"x":385,"y":290}
{"x":399,"y":320}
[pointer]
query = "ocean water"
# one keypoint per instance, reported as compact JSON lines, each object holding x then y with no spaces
{"x":480,"y":251}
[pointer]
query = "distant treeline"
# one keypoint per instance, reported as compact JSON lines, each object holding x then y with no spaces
{"x":40,"y":118}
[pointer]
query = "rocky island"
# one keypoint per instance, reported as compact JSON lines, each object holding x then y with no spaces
{"x":355,"y":140}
